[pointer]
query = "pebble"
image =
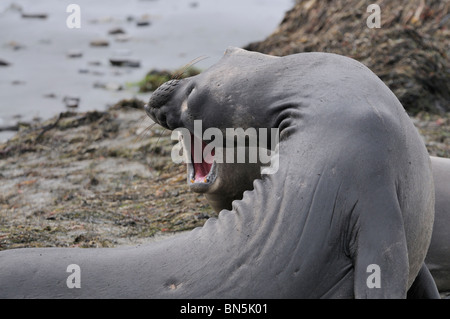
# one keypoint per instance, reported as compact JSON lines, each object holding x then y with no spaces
{"x":111,"y":86}
{"x":125,"y":62}
{"x":4,"y":63}
{"x":74,"y":54}
{"x":50,"y":95}
{"x":71,"y":102}
{"x":99,"y":43}
{"x":142,"y":23}
{"x":35,"y":15}
{"x":9,"y":128}
{"x":95,"y":63}
{"x":116,"y":31}
{"x":99,"y":85}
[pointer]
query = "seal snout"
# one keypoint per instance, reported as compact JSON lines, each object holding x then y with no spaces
{"x":163,"y":94}
{"x":162,"y":97}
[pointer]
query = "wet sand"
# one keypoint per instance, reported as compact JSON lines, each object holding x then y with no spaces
{"x":50,"y":64}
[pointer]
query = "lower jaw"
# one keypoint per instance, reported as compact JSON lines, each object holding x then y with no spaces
{"x":205,"y":183}
{"x":199,"y":188}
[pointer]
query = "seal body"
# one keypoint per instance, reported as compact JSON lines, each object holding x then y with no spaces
{"x":438,"y":256}
{"x":353,"y":192}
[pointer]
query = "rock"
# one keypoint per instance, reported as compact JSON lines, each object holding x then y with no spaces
{"x":50,"y":95}
{"x":125,"y":62}
{"x":4,"y":63}
{"x":111,"y":86}
{"x":99,"y":85}
{"x":106,"y":19}
{"x":95,"y":63}
{"x":9,"y":128}
{"x":34,"y":15}
{"x":116,"y":31}
{"x":142,"y":23}
{"x":99,"y":43}
{"x":74,"y":54}
{"x":71,"y":102}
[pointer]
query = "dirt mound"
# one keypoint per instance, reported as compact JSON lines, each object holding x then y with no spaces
{"x":409,"y":52}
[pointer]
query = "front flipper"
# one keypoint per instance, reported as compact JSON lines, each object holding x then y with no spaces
{"x":379,"y":248}
{"x":423,"y":286}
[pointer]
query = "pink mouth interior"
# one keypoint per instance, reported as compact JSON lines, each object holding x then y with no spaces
{"x":201,"y":169}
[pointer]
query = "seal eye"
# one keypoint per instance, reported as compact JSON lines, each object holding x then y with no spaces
{"x":191,"y":89}
{"x":184,"y":104}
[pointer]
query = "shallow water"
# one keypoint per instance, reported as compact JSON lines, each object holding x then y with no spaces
{"x":41,"y":74}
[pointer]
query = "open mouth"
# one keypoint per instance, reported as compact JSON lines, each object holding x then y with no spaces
{"x":201,"y":167}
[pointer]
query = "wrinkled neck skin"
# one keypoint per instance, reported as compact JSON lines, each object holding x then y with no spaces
{"x":308,"y":231}
{"x":239,"y":179}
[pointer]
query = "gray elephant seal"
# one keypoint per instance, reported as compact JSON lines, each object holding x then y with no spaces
{"x":320,"y":227}
{"x":438,"y":256}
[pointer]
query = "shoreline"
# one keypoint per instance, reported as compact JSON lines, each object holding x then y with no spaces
{"x":47,"y":65}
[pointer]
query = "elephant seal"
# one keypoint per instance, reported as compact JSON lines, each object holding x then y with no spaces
{"x":332,"y":222}
{"x":438,"y":256}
